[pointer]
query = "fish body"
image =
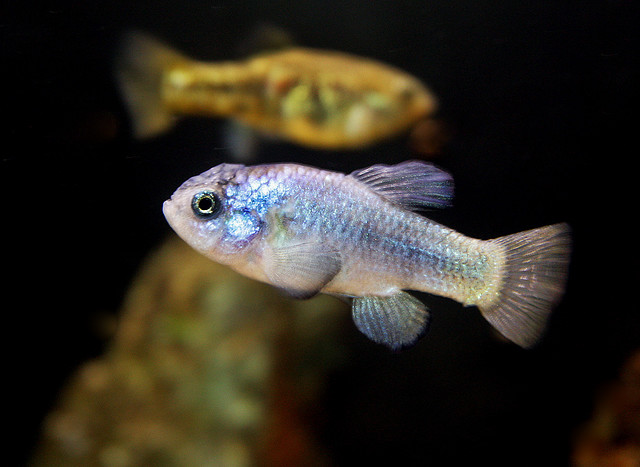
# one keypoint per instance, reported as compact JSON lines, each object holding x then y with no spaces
{"x":316,"y":98}
{"x":307,"y":231}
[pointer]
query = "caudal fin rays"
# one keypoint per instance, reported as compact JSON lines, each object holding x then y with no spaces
{"x":531,"y":282}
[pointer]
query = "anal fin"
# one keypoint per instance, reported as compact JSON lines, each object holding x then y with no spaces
{"x":396,"y":321}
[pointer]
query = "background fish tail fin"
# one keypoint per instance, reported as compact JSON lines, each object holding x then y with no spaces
{"x":532,"y":281}
{"x":140,"y":65}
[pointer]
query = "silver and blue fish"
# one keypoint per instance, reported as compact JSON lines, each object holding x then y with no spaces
{"x":308,"y":231}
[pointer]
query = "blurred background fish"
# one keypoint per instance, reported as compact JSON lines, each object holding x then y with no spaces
{"x":316,"y":98}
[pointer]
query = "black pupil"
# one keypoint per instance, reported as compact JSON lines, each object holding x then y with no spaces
{"x":205,"y":204}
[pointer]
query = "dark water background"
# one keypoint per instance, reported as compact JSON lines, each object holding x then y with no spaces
{"x":540,"y":99}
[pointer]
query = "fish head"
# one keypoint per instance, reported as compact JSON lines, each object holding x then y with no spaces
{"x":209,"y":212}
{"x":391,"y":105}
{"x":413,"y":97}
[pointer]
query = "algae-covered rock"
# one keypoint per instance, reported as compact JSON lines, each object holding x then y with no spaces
{"x":206,"y":368}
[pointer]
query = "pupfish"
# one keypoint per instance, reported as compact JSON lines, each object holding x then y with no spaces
{"x":308,"y":231}
{"x":316,"y":98}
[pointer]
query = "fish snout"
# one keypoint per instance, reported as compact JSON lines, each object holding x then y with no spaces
{"x":169,"y":210}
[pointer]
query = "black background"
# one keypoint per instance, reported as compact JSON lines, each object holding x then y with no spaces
{"x":541,"y":102}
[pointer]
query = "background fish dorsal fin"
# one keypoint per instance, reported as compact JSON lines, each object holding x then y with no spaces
{"x":414,"y":185}
{"x":264,"y":37}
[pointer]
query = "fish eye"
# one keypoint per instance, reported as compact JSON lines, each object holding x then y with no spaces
{"x":206,"y":205}
{"x":407,"y":93}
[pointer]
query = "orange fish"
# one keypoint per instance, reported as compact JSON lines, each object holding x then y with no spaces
{"x":315,"y":98}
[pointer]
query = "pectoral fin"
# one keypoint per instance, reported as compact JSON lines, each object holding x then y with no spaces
{"x":395,"y":321}
{"x":302,"y":269}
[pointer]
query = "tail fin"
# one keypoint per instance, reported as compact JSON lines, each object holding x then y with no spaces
{"x":139,"y":69}
{"x":532,"y":281}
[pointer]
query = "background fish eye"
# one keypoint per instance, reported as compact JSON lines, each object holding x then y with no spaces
{"x":206,"y":205}
{"x":407,"y":93}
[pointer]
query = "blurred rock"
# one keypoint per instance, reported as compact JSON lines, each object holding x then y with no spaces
{"x":612,"y":437}
{"x":206,"y":368}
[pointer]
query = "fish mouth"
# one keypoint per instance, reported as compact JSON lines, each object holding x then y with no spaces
{"x":169,"y":209}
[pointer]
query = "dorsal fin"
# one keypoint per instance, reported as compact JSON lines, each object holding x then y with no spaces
{"x":414,"y":185}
